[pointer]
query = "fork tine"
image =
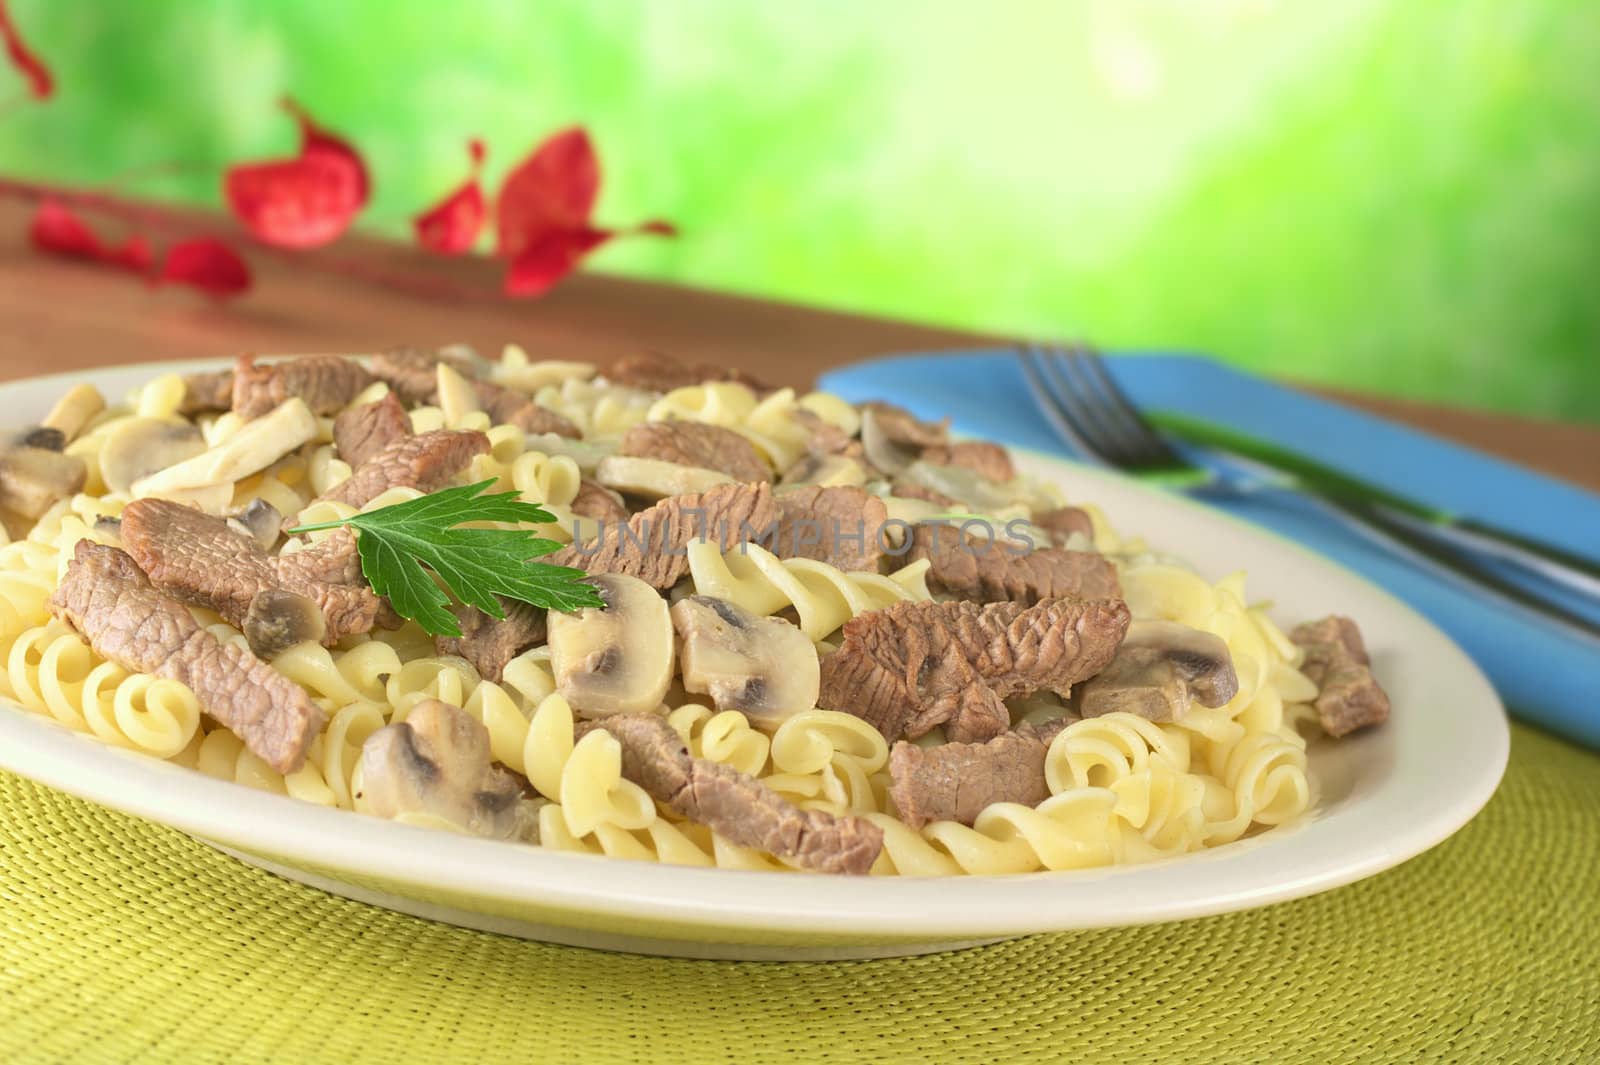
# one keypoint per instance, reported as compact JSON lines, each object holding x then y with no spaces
{"x":1116,"y":442}
{"x":1078,"y":405}
{"x":1153,"y":450}
{"x":1036,"y":368}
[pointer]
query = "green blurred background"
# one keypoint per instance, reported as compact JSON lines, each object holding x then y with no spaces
{"x":1401,"y":197}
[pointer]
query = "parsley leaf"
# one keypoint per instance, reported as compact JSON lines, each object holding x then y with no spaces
{"x":399,"y":545}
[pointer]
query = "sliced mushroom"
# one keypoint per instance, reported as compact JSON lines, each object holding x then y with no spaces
{"x":278,"y":619}
{"x":43,"y":437}
{"x":617,"y":660}
{"x":1160,"y":667}
{"x":108,"y":530}
{"x":254,"y":447}
{"x":765,"y":668}
{"x":969,"y":486}
{"x":34,"y":474}
{"x":74,"y":411}
{"x":826,"y":470}
{"x":882,"y":451}
{"x":654,"y":478}
{"x":138,"y":447}
{"x":261,"y":521}
{"x":436,"y":764}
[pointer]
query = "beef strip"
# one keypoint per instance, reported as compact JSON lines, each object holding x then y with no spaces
{"x":930,"y":441}
{"x":331,"y":560}
{"x":327,"y":383}
{"x":1062,"y":522}
{"x":842,"y":526}
{"x":107,"y":599}
{"x":425,"y":462}
{"x":489,"y":642}
{"x":989,"y":461}
{"x":651,"y":545}
{"x":597,"y":502}
{"x":822,"y":436}
{"x":361,"y":432}
{"x":973,"y":568}
{"x":412,"y":373}
{"x":906,"y":429}
{"x":201,"y":559}
{"x":507,"y":406}
{"x":1349,"y":697}
{"x":708,"y":447}
{"x":655,"y":372}
{"x":956,"y":781}
{"x":916,"y":665}
{"x":736,"y":806}
{"x":204,"y":393}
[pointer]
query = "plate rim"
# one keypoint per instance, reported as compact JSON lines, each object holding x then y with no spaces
{"x":837,"y":907}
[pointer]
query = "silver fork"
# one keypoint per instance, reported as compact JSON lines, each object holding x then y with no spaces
{"x":1091,"y":413}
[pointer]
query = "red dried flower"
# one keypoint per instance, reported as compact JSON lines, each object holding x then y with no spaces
{"x":40,"y":83}
{"x":540,"y":265}
{"x":55,"y":229}
{"x":555,"y":188}
{"x":451,"y":226}
{"x":204,"y":262}
{"x":208,"y":265}
{"x":542,"y":220}
{"x":305,"y":201}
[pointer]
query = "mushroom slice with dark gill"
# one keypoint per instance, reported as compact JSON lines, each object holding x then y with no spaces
{"x":1349,"y":697}
{"x":278,"y":619}
{"x":1159,"y":669}
{"x":437,"y":763}
{"x":138,"y":447}
{"x":34,"y":474}
{"x":261,"y":521}
{"x":617,"y":659}
{"x":765,"y":668}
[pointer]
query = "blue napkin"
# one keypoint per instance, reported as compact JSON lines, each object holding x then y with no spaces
{"x":1545,"y":675}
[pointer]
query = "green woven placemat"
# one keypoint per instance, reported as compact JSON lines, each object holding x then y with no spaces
{"x":121,"y":940}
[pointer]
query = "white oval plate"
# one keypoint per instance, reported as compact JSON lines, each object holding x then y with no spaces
{"x":1385,"y":796}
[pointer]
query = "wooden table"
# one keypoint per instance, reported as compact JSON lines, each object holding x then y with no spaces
{"x":57,"y":315}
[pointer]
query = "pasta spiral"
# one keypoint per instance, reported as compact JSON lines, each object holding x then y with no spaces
{"x":50,"y":670}
{"x":823,"y":597}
